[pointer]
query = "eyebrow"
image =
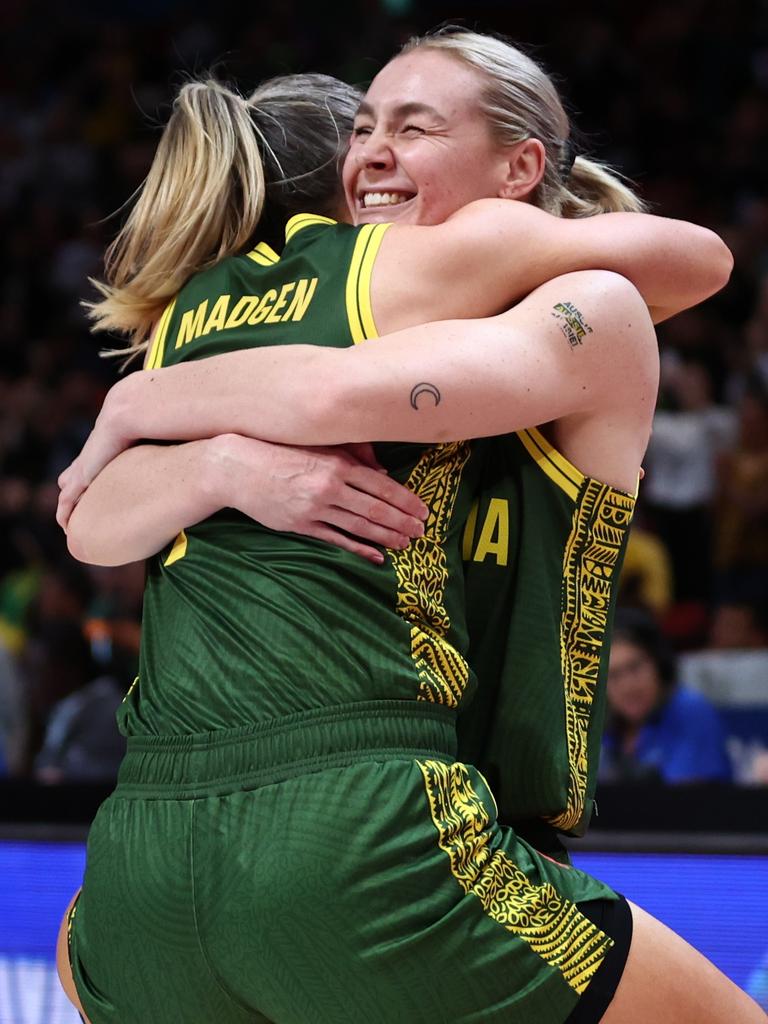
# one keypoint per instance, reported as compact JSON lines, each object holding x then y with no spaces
{"x":403,"y":110}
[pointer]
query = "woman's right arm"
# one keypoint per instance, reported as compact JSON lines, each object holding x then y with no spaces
{"x":143,"y":498}
{"x":493,"y":252}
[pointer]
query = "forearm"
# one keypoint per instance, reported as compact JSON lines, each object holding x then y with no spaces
{"x":672,"y":263}
{"x":494,"y":252}
{"x":140,"y":502}
{"x":436,"y":382}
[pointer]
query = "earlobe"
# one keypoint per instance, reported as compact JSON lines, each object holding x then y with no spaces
{"x":525,"y":169}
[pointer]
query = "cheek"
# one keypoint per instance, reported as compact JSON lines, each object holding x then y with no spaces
{"x":631,"y":700}
{"x":347,"y":171}
{"x":440,"y":195}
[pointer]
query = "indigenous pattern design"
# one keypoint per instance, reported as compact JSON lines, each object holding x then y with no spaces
{"x":422,"y":574}
{"x":553,"y":926}
{"x":600,"y":522}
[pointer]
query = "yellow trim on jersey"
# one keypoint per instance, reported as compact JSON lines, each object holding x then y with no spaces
{"x":601,"y":520}
{"x":178,"y":550}
{"x":358,"y":292}
{"x":130,"y":689}
{"x":553,"y":926}
{"x":422,"y":577}
{"x":304,"y":220}
{"x":556,"y":466}
{"x":155,"y":359}
{"x":264,"y":255}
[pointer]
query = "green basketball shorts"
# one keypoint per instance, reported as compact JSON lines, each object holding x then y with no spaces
{"x":331,"y":867}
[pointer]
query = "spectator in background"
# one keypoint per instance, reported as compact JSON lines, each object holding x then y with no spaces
{"x":77,"y":136}
{"x":13,"y":716}
{"x":81,"y":740}
{"x":733,"y":673}
{"x":739,"y":625}
{"x":656,"y":729}
{"x":679,"y":488}
{"x":646,"y":575}
{"x":741,"y":536}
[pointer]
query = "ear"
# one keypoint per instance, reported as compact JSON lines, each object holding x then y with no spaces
{"x":524,"y":170}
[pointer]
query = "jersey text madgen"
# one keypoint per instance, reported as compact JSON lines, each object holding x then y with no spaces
{"x":289,"y":304}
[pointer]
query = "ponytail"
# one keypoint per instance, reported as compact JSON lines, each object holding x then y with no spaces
{"x":200,"y":203}
{"x":593,"y":187}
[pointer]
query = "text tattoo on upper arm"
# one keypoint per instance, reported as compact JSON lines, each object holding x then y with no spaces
{"x":424,"y":388}
{"x":571,"y":322}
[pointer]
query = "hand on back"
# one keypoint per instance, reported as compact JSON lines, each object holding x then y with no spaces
{"x":335,"y":494}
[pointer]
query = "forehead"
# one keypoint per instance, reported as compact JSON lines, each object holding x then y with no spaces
{"x":425,"y":78}
{"x":623,"y":649}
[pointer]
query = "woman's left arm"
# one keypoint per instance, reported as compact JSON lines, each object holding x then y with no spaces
{"x":564,"y":350}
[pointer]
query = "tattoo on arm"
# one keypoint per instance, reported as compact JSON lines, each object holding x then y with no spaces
{"x":571,"y":322}
{"x":424,"y":389}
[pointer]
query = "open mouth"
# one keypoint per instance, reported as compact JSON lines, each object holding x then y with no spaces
{"x":377,"y":200}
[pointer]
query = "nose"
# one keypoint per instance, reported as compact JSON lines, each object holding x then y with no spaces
{"x":376,"y":152}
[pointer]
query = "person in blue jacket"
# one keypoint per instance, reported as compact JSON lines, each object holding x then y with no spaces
{"x":656,"y":728}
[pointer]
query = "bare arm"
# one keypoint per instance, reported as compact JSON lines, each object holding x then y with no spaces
{"x":436,"y":382}
{"x":487,"y":255}
{"x":159,"y":487}
{"x":145,"y":496}
{"x":494,"y":251}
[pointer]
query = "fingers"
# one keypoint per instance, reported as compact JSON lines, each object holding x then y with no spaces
{"x":63,"y":512}
{"x":70,"y":492}
{"x":365,"y":529}
{"x":382,"y":487}
{"x":326,"y":533}
{"x":364,"y":511}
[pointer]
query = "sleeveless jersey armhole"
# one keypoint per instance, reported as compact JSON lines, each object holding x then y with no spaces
{"x":358,"y":292}
{"x":157,"y":349}
{"x":561,"y":470}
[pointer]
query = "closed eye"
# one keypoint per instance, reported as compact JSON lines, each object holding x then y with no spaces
{"x":361,"y":129}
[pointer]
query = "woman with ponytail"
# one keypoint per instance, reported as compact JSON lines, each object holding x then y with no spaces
{"x":225,"y":166}
{"x":316,"y":795}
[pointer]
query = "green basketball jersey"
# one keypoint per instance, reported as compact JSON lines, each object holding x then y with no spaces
{"x":242,"y":623}
{"x":543,"y":550}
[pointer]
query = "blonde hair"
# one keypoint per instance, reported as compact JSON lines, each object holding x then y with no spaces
{"x":220,"y":159}
{"x":520,"y":101}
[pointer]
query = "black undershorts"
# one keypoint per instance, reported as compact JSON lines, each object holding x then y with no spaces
{"x":614,"y":918}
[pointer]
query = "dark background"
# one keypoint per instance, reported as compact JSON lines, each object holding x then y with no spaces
{"x":674,"y":95}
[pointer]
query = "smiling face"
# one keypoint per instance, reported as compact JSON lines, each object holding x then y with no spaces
{"x":421,"y":148}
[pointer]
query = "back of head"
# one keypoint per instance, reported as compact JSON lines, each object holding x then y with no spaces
{"x":520,"y":101}
{"x":304,"y":123}
{"x":221,"y":162}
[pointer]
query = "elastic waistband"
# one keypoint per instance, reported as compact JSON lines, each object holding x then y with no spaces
{"x":216,"y":763}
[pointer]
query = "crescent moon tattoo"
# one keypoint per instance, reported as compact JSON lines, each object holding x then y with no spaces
{"x":424,"y":389}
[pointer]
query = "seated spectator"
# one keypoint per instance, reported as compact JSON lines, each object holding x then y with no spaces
{"x":679,"y":488}
{"x":733,"y":673}
{"x":739,"y":625}
{"x":656,"y":728}
{"x":81,"y":740}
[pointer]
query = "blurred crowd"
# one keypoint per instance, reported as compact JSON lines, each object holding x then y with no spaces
{"x":676,"y":96}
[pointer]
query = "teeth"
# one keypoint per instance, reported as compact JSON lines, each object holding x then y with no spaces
{"x":383,"y":199}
